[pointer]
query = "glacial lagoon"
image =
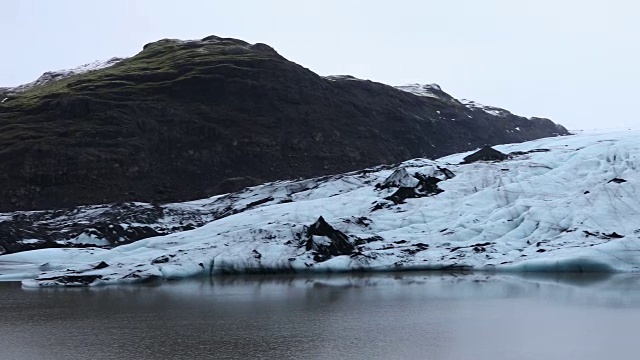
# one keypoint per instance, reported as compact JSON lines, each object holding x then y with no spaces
{"x":381,"y":316}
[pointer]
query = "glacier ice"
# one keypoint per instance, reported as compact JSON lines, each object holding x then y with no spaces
{"x":551,"y":206}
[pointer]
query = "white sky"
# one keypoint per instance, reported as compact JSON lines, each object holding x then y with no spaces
{"x":574,"y":61}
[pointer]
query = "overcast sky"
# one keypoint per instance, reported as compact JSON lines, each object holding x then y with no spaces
{"x":574,"y":61}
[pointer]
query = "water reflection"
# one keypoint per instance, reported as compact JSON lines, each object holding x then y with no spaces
{"x":395,"y":315}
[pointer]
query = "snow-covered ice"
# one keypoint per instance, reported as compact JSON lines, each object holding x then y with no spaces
{"x":557,"y":204}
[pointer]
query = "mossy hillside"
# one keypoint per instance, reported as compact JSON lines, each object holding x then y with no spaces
{"x":182,"y":120}
{"x":157,"y":66}
{"x":97,"y":106}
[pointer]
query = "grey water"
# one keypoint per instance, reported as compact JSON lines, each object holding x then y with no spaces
{"x":386,"y":316}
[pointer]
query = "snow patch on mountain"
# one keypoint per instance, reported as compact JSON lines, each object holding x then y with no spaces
{"x":50,"y":76}
{"x":342,"y":77}
{"x":428,"y":90}
{"x":436,"y":92}
{"x":491,"y":110}
{"x":566,"y":204}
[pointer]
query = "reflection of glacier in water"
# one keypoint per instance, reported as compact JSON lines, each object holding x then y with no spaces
{"x":381,"y":316}
{"x":596,"y":289}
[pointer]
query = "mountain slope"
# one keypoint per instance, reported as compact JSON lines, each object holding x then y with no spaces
{"x":557,"y":204}
{"x":187,"y":119}
{"x":51,"y":76}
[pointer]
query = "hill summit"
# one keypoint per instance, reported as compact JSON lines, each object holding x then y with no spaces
{"x":188,"y":119}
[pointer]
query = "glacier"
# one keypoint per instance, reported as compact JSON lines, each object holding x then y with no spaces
{"x":562,"y":204}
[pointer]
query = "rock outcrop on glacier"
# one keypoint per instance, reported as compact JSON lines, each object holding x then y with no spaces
{"x":487,"y":153}
{"x":569,"y":204}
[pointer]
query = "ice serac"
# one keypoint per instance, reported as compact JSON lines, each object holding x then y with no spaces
{"x":562,"y":204}
{"x":184,"y":120}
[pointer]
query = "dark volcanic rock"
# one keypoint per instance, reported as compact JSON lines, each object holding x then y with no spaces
{"x":518,"y":153}
{"x":327,"y":242}
{"x":187,"y":119}
{"x":447,"y":173}
{"x":101,"y":265}
{"x":614,"y":235}
{"x":402,"y":194}
{"x":110,"y":225}
{"x":487,"y":153}
{"x":427,"y":186}
{"x":78,"y":280}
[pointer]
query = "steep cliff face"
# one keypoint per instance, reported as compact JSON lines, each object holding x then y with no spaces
{"x":187,"y":119}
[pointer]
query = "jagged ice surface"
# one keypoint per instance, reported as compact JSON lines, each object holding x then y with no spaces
{"x":558,"y":204}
